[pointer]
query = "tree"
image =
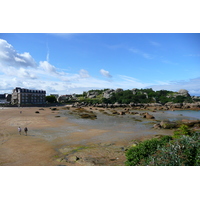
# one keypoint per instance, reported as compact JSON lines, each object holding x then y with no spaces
{"x":51,"y":99}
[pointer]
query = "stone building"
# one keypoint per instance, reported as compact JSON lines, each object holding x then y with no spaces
{"x":22,"y":96}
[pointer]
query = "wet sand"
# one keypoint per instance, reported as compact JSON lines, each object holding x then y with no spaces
{"x":61,"y":138}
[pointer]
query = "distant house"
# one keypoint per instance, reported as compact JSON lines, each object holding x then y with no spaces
{"x":22,"y":96}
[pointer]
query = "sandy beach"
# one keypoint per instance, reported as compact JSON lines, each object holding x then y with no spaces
{"x":55,"y":139}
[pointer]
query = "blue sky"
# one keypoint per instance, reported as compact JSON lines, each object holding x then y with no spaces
{"x":73,"y":63}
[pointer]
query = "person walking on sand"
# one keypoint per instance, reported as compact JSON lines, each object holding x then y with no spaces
{"x":19,"y":130}
{"x":25,"y":130}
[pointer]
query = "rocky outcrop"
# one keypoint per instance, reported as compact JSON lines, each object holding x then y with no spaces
{"x":108,"y":93}
{"x":119,"y":90}
{"x":183,"y":92}
{"x":92,"y":95}
{"x":148,"y":116}
{"x":166,"y":124}
{"x":71,"y":158}
{"x":154,"y":106}
{"x":191,"y":123}
{"x":122,"y":113}
{"x":134,"y":90}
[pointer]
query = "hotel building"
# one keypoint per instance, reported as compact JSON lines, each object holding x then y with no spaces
{"x":22,"y":96}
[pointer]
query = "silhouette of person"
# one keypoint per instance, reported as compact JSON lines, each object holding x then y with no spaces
{"x":25,"y":130}
{"x":19,"y":130}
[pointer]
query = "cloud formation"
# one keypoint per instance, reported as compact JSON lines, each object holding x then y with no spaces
{"x":9,"y":56}
{"x":192,"y":85}
{"x":47,"y":67}
{"x":105,"y":73}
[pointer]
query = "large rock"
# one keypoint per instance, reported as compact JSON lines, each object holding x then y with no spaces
{"x":119,"y":90}
{"x":148,"y":116}
{"x":108,"y":94}
{"x":168,"y":125}
{"x":72,"y":158}
{"x":183,"y":92}
{"x":157,"y":126}
{"x":191,"y":123}
{"x":92,"y":94}
{"x":134,"y":90}
{"x":177,"y":105}
{"x":121,"y":113}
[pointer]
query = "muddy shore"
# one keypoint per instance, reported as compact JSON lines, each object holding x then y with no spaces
{"x":73,"y":137}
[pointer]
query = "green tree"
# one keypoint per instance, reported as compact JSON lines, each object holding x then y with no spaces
{"x":51,"y":99}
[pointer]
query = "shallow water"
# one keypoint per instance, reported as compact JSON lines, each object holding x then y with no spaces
{"x":111,"y":128}
{"x":188,"y":113}
{"x":114,"y":128}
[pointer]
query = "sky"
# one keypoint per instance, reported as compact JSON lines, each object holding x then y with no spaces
{"x":77,"y":62}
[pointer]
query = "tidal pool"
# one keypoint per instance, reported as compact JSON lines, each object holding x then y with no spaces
{"x":116,"y":128}
{"x":185,"y":113}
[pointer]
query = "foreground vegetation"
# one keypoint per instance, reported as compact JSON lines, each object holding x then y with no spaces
{"x":181,"y":149}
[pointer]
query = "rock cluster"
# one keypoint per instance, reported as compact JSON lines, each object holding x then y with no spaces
{"x":157,"y":106}
{"x":108,"y":93}
{"x":92,"y":95}
{"x":166,"y":124}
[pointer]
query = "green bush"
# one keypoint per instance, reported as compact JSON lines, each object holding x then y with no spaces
{"x":142,"y":151}
{"x":183,"y":149}
{"x":183,"y":130}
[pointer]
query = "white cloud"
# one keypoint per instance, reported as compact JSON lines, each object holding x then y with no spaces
{"x":10,"y":57}
{"x":17,"y":59}
{"x":84,"y":74}
{"x":24,"y":73}
{"x":130,"y":82}
{"x":105,"y":73}
{"x":192,"y":85}
{"x":47,"y":67}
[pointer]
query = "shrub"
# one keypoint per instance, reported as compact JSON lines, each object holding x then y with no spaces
{"x":183,"y":130}
{"x":142,"y":151}
{"x":183,"y":149}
